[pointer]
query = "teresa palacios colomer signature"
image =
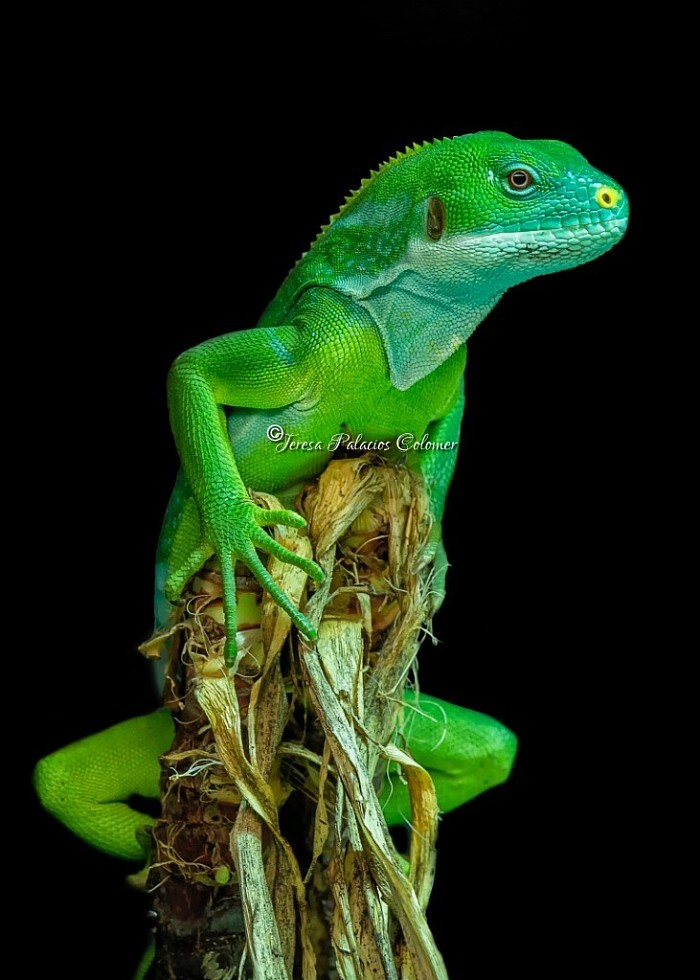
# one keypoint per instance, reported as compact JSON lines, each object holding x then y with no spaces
{"x":407,"y":441}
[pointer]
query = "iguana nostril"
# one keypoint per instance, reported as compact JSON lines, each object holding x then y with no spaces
{"x":607,"y":197}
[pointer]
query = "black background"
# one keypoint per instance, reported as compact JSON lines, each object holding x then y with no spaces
{"x":181,"y":171}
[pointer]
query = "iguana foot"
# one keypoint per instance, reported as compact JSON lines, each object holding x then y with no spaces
{"x":235,"y":531}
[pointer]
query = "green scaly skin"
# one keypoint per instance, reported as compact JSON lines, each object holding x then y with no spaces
{"x":366,"y":336}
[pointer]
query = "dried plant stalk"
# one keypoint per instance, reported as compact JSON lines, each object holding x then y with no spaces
{"x":272,"y":857}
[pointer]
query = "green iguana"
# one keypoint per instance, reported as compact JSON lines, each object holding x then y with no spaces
{"x":365,"y":340}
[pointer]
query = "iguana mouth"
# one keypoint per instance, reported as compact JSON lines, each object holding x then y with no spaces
{"x":539,"y":241}
{"x":572,"y":239}
{"x":586,"y":225}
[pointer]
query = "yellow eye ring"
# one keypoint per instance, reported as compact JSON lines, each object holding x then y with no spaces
{"x":607,"y":197}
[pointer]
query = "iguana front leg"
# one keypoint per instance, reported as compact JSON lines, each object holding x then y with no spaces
{"x":260,"y":369}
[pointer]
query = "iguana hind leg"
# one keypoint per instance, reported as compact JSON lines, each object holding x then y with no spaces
{"x":86,"y":785}
{"x":465,"y":752}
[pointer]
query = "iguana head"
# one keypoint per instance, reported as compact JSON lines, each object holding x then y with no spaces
{"x":510,"y":209}
{"x":482,"y":205}
{"x":434,"y":237}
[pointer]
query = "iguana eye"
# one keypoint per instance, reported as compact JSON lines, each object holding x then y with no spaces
{"x":519,"y":180}
{"x":437,"y":218}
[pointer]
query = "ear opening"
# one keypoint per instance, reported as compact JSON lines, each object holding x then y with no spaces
{"x":437,"y":219}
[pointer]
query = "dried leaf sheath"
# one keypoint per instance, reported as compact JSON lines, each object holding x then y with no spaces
{"x":273,"y":858}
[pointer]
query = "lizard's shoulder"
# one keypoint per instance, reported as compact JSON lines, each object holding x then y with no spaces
{"x":332,"y":326}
